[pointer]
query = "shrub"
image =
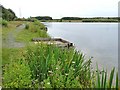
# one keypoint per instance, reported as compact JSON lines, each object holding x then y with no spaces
{"x":17,"y":75}
{"x":4,"y":23}
{"x":26,"y":26}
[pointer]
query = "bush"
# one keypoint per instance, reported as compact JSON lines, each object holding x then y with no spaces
{"x":17,"y":75}
{"x":26,"y":26}
{"x":4,"y":23}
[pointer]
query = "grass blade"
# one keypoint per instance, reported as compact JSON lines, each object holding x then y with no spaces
{"x":117,"y":80}
{"x":102,"y":79}
{"x":105,"y":79}
{"x":111,"y":77}
{"x":98,"y":78}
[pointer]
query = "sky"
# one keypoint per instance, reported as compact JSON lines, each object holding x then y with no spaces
{"x":63,"y":8}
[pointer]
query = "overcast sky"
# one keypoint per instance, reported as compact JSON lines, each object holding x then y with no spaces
{"x":62,"y":8}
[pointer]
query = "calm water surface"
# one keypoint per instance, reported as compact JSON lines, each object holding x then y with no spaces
{"x":99,"y":40}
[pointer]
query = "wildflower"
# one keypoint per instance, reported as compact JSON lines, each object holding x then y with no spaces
{"x":50,"y":71}
{"x":48,"y":83}
{"x":77,"y":78}
{"x":35,"y":42}
{"x":66,"y":74}
{"x":73,"y":62}
{"x":0,"y":88}
{"x":37,"y":75}
{"x":73,"y":69}
{"x":56,"y":68}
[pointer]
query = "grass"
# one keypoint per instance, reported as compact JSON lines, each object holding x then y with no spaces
{"x":4,"y":23}
{"x":102,"y":80}
{"x":11,"y":54}
{"x":17,"y":75}
{"x":22,"y":36}
{"x":51,"y":63}
{"x":10,"y":27}
{"x":47,"y":66}
{"x":33,"y":30}
{"x":0,"y":55}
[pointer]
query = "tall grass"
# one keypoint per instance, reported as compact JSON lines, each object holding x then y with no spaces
{"x":32,"y":30}
{"x":48,"y":66}
{"x":103,"y":81}
{"x":59,"y":68}
{"x":4,"y":23}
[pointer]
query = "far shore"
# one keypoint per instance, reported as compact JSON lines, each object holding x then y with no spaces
{"x":87,"y":21}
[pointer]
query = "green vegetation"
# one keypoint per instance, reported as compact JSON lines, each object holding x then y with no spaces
{"x":71,"y":18}
{"x":103,"y":81}
{"x":78,"y":19}
{"x":100,"y":20}
{"x":47,"y":66}
{"x":17,"y":75}
{"x":11,"y":26}
{"x":60,"y":68}
{"x":43,"y":17}
{"x":26,"y":26}
{"x":9,"y":54}
{"x":4,"y":23}
{"x":32,"y":30}
{"x":7,"y":14}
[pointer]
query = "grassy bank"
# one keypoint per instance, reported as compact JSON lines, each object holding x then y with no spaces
{"x":47,"y":66}
{"x":35,"y":29}
{"x":43,"y":66}
{"x":10,"y":26}
{"x":32,"y":30}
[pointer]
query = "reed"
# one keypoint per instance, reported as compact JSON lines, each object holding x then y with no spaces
{"x":55,"y":67}
{"x":103,"y":81}
{"x":49,"y":66}
{"x":59,"y":67}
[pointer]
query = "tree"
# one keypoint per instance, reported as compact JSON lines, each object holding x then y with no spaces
{"x":7,"y":14}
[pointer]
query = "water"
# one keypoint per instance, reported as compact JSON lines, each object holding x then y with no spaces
{"x":99,"y":40}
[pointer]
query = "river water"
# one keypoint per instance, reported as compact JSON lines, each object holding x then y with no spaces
{"x":97,"y":40}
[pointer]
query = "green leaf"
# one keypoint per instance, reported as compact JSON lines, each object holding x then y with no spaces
{"x":102,"y":79}
{"x":98,"y":78}
{"x":111,"y":77}
{"x":105,"y":80}
{"x":117,"y":80}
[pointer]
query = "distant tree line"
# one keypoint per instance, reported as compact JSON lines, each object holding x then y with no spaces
{"x":7,"y":14}
{"x":71,"y":18}
{"x":43,"y":18}
{"x":103,"y":18}
{"x":80,"y":18}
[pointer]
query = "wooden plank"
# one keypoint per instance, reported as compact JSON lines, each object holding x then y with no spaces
{"x":57,"y":41}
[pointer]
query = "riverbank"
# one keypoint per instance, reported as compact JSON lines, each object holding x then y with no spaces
{"x":47,"y":66}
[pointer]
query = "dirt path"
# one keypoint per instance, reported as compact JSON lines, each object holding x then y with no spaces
{"x":10,"y":41}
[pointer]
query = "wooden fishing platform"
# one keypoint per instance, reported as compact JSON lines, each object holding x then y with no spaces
{"x":57,"y":41}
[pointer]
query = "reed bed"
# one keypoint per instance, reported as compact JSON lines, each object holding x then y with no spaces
{"x":48,"y":66}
